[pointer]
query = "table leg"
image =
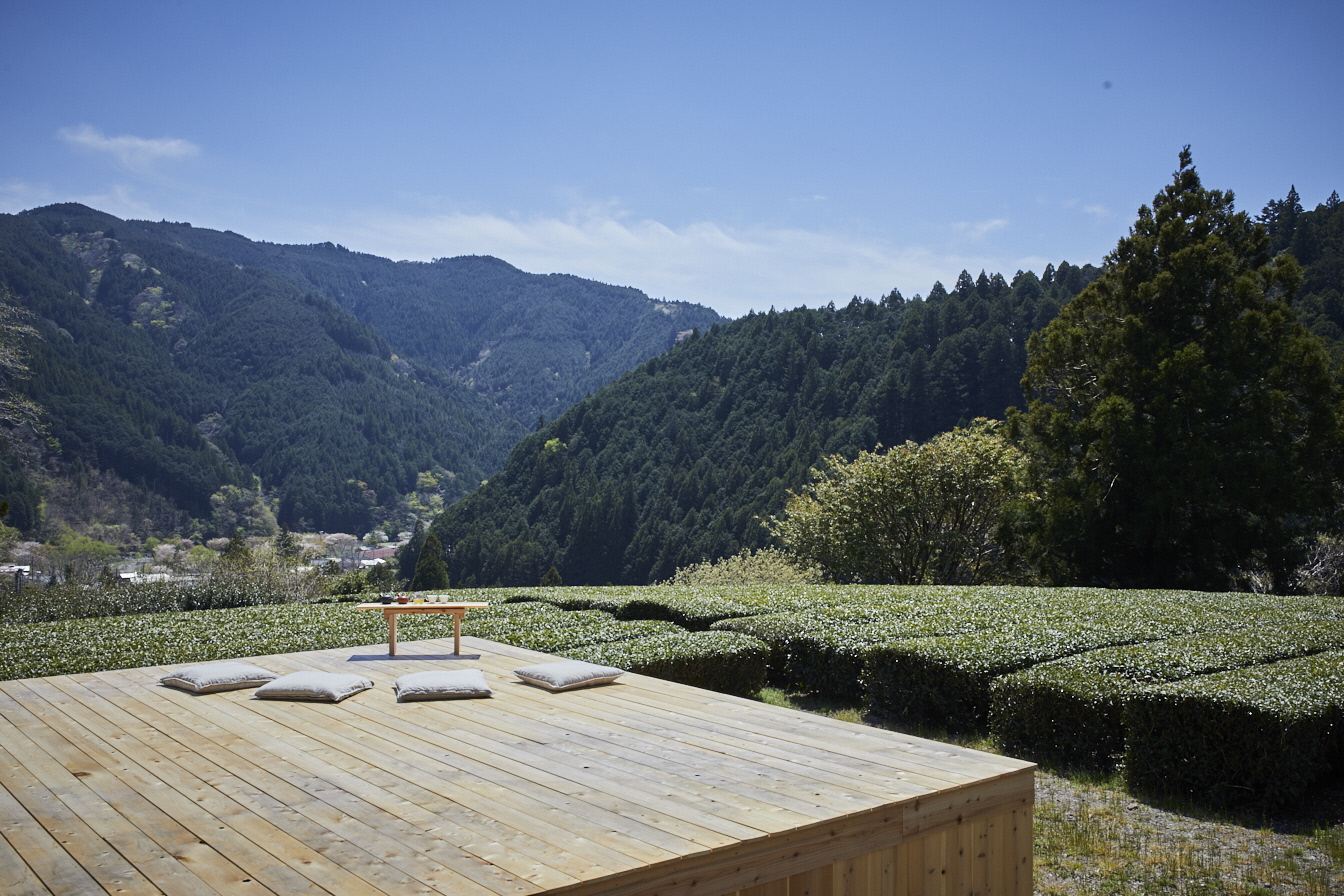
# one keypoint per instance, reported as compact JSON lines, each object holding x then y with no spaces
{"x":457,"y":633}
{"x":391,"y":633}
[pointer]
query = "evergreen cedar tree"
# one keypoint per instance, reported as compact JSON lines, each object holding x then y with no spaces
{"x":431,"y":574}
{"x":408,"y":555}
{"x":286,"y":545}
{"x":1185,"y":425}
{"x":236,"y":552}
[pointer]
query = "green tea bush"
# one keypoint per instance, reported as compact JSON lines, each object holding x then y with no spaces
{"x":718,"y":661}
{"x":1262,"y":736}
{"x":945,"y":681}
{"x":223,"y":587}
{"x":559,"y":630}
{"x":695,"y":608}
{"x":1070,"y":711}
{"x":69,"y":646}
{"x":825,"y":655}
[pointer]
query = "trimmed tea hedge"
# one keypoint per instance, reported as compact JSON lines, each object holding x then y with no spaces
{"x":1262,"y":736}
{"x":927,"y":655}
{"x":1071,"y":710}
{"x":823,"y":656}
{"x":700,"y":606}
{"x":695,"y":608}
{"x":945,"y":681}
{"x":727,"y":662}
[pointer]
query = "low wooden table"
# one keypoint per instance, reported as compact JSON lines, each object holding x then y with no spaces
{"x":390,"y":612}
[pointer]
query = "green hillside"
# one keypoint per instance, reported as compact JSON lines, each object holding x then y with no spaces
{"x":679,"y":460}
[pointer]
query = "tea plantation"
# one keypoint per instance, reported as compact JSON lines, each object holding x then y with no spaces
{"x":1220,"y":698}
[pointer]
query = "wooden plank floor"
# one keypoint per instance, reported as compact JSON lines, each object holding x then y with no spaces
{"x":112,"y":783}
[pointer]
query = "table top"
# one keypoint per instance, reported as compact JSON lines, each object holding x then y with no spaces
{"x":423,"y":607}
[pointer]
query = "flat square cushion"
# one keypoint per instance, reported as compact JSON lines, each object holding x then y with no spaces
{"x":330,"y":687}
{"x":567,"y":674}
{"x":213,"y":677}
{"x":442,"y":684}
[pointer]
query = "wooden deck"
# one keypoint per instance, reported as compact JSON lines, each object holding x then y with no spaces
{"x":112,"y":783}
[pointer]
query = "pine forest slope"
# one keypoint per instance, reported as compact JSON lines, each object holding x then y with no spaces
{"x":175,"y":361}
{"x":679,"y":460}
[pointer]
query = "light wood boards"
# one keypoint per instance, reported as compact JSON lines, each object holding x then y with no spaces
{"x":110,"y":782}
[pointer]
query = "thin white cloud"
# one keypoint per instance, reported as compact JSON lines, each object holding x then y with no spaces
{"x":980,"y":229}
{"x":733,"y":271}
{"x":1096,"y":210}
{"x":132,"y":153}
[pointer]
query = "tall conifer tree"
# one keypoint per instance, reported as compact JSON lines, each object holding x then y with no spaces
{"x":431,"y":573}
{"x":1186,"y":425}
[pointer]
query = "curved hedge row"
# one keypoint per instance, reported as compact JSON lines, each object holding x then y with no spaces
{"x":1263,"y":735}
{"x":719,"y":661}
{"x":1071,"y":710}
{"x":825,"y":655}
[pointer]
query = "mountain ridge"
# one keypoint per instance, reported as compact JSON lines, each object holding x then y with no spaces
{"x":181,"y":373}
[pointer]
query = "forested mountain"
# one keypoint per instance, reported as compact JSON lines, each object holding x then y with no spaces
{"x":534,"y":344}
{"x":181,"y":374}
{"x":679,"y":460}
{"x":175,"y":361}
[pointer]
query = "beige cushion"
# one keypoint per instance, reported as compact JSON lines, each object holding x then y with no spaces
{"x":567,"y":674}
{"x":213,"y":677}
{"x":330,"y":687}
{"x":442,"y":684}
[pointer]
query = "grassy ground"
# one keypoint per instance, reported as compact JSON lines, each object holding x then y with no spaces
{"x":1094,"y":839}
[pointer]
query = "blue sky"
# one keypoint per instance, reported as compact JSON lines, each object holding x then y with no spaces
{"x":738,"y":154}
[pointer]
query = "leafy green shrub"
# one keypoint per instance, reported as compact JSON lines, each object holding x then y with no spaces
{"x":767,"y":566}
{"x":915,"y":513}
{"x":1070,"y":710}
{"x":1261,"y":736}
{"x":719,"y":661}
